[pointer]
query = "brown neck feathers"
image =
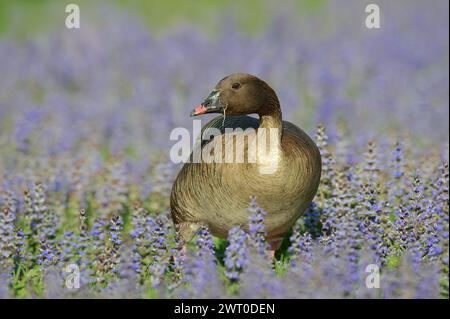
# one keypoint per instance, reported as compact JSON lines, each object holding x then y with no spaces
{"x":271,"y":117}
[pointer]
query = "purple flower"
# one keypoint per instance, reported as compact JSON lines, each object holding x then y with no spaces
{"x":204,"y":242}
{"x":257,"y":229}
{"x":236,"y":253}
{"x":201,"y":279}
{"x":7,"y":218}
{"x":301,"y":247}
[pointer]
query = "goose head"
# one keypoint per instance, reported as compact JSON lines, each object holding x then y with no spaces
{"x":240,"y":94}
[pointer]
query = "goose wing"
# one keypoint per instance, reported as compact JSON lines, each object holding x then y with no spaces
{"x":231,"y":121}
{"x":245,"y":122}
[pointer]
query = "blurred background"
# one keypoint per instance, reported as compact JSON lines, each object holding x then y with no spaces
{"x":158,"y":15}
{"x":133,"y":71}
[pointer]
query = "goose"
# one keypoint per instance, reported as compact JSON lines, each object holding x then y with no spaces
{"x":284,"y":176}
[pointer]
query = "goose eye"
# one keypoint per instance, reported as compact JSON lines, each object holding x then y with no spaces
{"x":236,"y":85}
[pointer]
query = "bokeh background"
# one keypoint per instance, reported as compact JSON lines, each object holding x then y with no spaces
{"x":134,"y":69}
{"x":88,"y":112}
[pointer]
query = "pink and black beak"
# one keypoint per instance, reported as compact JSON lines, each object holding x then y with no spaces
{"x":210,"y":105}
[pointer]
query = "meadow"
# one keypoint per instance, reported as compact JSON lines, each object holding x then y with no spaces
{"x":85,"y":174}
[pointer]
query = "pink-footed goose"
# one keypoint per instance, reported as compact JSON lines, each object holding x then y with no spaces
{"x":284,"y":177}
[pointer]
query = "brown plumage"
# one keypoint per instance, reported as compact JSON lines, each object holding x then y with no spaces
{"x":217,"y":194}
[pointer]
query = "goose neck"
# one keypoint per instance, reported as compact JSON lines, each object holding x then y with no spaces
{"x":272,"y":121}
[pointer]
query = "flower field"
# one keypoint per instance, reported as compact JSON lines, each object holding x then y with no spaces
{"x":85,"y":175}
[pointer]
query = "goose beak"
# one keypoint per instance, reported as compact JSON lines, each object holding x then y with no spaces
{"x":210,"y":105}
